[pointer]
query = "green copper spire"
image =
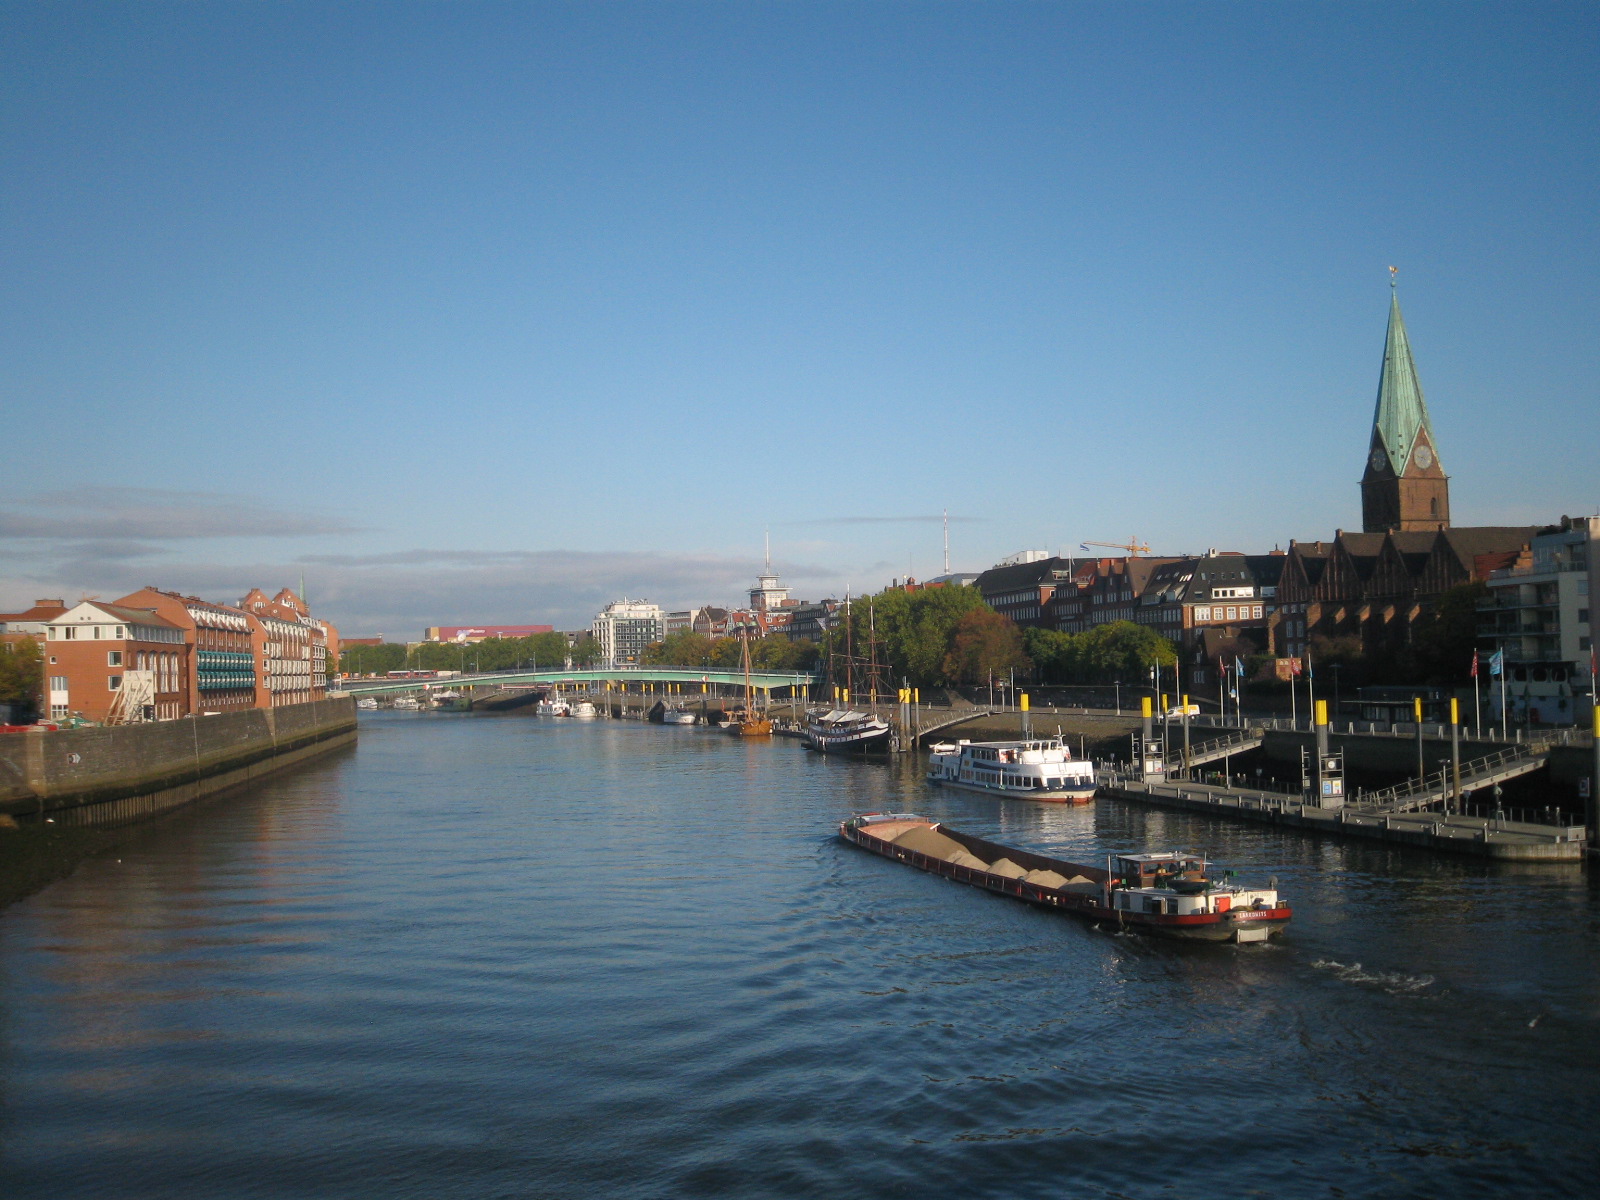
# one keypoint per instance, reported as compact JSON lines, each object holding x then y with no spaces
{"x":1401,"y":417}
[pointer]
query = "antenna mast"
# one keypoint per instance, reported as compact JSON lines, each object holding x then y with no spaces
{"x":947,"y":541}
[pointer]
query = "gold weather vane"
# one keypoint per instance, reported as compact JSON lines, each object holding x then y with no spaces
{"x":1393,"y":271}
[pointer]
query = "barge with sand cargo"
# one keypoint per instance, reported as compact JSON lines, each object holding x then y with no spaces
{"x":1170,"y":893}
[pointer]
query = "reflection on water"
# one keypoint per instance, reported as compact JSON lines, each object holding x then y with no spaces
{"x":525,"y":957}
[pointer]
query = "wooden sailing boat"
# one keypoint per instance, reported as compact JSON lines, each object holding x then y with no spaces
{"x":747,"y":722}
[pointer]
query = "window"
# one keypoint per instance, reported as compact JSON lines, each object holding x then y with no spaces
{"x":114,"y":683}
{"x":1255,"y":611}
{"x":58,"y":683}
{"x":1233,"y":612}
{"x":1202,"y":613}
{"x":113,"y":658}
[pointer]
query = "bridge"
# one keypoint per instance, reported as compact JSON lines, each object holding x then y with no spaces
{"x":693,"y":680}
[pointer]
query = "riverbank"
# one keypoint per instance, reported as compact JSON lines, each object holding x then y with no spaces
{"x":69,"y":794}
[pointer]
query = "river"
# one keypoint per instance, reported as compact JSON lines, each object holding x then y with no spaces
{"x":527,"y":957}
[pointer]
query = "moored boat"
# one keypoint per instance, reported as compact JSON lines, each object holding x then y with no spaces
{"x":1037,"y":769}
{"x":1170,"y":893}
{"x":845,"y":731}
{"x":553,"y":705}
{"x":366,"y":702}
{"x":584,"y":710}
{"x":678,"y":716}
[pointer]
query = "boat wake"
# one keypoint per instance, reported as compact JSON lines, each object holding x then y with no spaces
{"x":1396,"y":983}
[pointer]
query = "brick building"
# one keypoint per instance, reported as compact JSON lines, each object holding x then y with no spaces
{"x":222,"y":673}
{"x":105,"y":662}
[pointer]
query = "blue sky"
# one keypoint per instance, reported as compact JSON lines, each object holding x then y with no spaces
{"x":481,"y":312}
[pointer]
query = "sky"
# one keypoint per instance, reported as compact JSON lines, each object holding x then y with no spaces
{"x":494,"y":313}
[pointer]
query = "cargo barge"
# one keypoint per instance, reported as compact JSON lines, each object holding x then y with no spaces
{"x":1168,"y":893}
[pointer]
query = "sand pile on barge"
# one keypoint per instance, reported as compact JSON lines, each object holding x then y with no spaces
{"x":1004,"y":866}
{"x":930,"y":842}
{"x":1049,"y":879}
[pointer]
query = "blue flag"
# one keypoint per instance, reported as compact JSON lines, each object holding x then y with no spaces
{"x":1497,"y":662}
{"x":1238,"y":667}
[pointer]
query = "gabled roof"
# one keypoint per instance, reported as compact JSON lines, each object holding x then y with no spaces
{"x":127,"y":616}
{"x":1400,"y":414}
{"x":1046,"y":570}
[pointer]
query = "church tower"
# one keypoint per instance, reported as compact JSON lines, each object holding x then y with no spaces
{"x":1404,"y":487}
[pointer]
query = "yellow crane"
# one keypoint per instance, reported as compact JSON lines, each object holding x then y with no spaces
{"x":1133,"y":546}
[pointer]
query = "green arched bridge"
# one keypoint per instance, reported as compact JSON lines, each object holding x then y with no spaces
{"x":630,"y":678}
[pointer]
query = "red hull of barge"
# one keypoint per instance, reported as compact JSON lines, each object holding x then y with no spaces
{"x":1205,"y":927}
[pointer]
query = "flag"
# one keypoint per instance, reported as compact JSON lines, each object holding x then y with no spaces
{"x":1238,"y":667}
{"x":1084,"y":548}
{"x":1474,"y":664}
{"x":1497,"y":661}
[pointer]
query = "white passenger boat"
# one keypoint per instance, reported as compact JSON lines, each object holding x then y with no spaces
{"x":407,"y":703}
{"x":366,"y":702}
{"x":584,"y":710}
{"x":553,"y":705}
{"x":1040,"y":769}
{"x":678,"y":716}
{"x":845,"y":731}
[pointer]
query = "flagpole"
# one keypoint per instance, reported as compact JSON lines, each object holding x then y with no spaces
{"x":1477,"y":699}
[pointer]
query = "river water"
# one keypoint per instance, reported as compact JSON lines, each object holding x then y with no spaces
{"x":525,"y":957}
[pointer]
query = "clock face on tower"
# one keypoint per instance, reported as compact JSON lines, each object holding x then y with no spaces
{"x":1378,"y":459}
{"x":1424,"y":457}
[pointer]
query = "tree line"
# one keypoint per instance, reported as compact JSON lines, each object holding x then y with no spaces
{"x":540,"y":650}
{"x":949,"y":635}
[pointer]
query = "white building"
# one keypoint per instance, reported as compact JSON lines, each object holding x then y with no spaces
{"x":1538,"y":613}
{"x":625,"y":628}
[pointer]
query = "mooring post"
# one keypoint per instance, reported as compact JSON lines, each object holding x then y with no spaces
{"x":1455,"y":754}
{"x":1416,"y":708}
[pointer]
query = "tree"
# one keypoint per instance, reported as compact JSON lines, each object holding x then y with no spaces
{"x":984,"y":645}
{"x":21,"y":675}
{"x":585,"y":651}
{"x":1445,"y":639}
{"x":914,"y":629}
{"x":682,"y":649}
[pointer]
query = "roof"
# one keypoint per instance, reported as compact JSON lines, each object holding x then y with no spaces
{"x":1400,"y":414}
{"x":128,"y":616}
{"x":1046,"y":570}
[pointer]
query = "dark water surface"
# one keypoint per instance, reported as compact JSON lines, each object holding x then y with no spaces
{"x":523,"y":957}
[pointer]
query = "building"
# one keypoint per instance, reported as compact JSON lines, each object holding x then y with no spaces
{"x":1539,"y":616}
{"x":104,"y":662}
{"x":472,"y":634}
{"x":221,"y":671}
{"x":1219,"y":605}
{"x":291,"y":647}
{"x":1404,"y":487}
{"x":32,"y":620}
{"x":625,"y":628}
{"x":1375,"y":586}
{"x":1023,"y":590}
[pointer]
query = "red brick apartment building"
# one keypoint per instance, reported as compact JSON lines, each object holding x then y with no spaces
{"x":159,"y":655}
{"x":110,"y":663}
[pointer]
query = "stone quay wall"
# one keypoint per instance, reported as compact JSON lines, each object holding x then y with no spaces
{"x":119,"y":774}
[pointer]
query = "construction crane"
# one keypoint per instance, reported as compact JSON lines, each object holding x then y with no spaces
{"x":1133,"y":546}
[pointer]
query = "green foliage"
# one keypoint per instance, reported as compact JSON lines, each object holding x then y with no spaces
{"x":1443,"y":641}
{"x":773,"y":653}
{"x":21,"y":674}
{"x":916,"y":630}
{"x":1121,"y":651}
{"x":984,"y":645}
{"x":547,"y":650}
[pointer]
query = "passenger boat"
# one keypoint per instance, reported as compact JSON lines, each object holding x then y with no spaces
{"x":553,"y":704}
{"x":1040,"y":769}
{"x":845,"y":731}
{"x":1170,"y":893}
{"x":408,"y":703}
{"x":584,"y":710}
{"x":678,"y":716}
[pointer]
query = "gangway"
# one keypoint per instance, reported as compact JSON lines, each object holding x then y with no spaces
{"x":1418,"y":794}
{"x":1239,"y":743}
{"x":968,"y":715}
